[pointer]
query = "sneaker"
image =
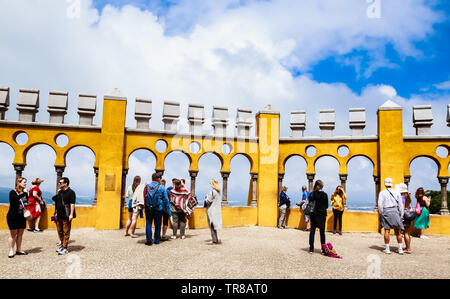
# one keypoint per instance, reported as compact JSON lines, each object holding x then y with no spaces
{"x":387,"y":251}
{"x":173,"y":237}
{"x":400,"y":251}
{"x":183,"y":237}
{"x":37,"y":231}
{"x":424,"y":237}
{"x":63,"y":251}
{"x":149,"y":243}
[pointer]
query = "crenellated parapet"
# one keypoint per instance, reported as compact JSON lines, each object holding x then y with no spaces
{"x":87,"y":106}
{"x":28,"y":104}
{"x":112,"y":143}
{"x":4,"y":101}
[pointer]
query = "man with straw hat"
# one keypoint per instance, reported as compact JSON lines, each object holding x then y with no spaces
{"x":213,"y":206}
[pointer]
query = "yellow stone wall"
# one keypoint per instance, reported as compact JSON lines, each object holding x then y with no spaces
{"x":112,"y":144}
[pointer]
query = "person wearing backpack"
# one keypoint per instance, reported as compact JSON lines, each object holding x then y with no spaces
{"x":156,"y":200}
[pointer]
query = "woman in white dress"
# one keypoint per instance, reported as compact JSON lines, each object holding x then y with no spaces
{"x":213,"y":204}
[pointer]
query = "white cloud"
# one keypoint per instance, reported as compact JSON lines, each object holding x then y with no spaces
{"x":443,"y":86}
{"x":232,"y":53}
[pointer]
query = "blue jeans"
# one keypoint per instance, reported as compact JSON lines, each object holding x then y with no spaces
{"x":150,"y":217}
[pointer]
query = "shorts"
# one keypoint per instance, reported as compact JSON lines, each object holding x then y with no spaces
{"x":135,"y":209}
{"x":165,"y":219}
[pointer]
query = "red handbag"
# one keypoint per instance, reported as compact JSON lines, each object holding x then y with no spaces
{"x":417,"y":210}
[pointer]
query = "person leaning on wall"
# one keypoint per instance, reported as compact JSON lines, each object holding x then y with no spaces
{"x":303,"y":204}
{"x":283,"y":207}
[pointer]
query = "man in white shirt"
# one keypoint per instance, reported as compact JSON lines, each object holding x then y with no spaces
{"x":390,"y":208}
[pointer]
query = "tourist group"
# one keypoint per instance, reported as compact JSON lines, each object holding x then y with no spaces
{"x":394,"y":207}
{"x":159,"y":204}
{"x":155,"y":200}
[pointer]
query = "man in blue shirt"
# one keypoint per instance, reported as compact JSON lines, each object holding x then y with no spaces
{"x":283,"y":207}
{"x":303,"y":205}
{"x":154,"y":214}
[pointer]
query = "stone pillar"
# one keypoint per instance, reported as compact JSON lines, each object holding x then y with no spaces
{"x":124,"y":185}
{"x":159,"y":171}
{"x":143,"y":113}
{"x":390,"y":143}
{"x":94,"y":203}
{"x":326,"y":122}
{"x":448,"y":115}
{"x":18,"y":167}
{"x":4,"y":101}
{"x":310,"y":177}
{"x":59,"y":174}
{"x":343,"y":178}
{"x":268,"y":133}
{"x":171,"y":116}
{"x":298,"y":123}
{"x":196,"y":118}
{"x":28,"y":105}
{"x":87,"y":105}
{"x":444,"y":207}
{"x":243,"y":122}
{"x":111,"y":161}
{"x":422,"y":119}
{"x":193,"y":175}
{"x":357,"y":121}
{"x":225,"y":175}
{"x":254,"y":201}
{"x":376,"y":179}
{"x":57,"y":106}
{"x":407,"y":179}
{"x":220,"y":120}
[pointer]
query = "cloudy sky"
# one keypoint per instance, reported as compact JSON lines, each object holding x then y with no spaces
{"x":293,"y":55}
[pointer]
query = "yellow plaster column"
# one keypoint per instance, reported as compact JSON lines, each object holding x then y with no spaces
{"x":268,"y":132}
{"x":111,"y":162}
{"x":390,"y":143}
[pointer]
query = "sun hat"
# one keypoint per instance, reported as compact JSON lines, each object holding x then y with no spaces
{"x":401,"y":188}
{"x":37,"y":181}
{"x":388,"y":182}
{"x":215,"y":185}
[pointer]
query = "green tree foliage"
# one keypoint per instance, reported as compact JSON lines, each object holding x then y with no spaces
{"x":436,"y":202}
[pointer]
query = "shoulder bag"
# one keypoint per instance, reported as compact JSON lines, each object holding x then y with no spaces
{"x":26,"y":212}
{"x":310,"y":206}
{"x":417,"y":210}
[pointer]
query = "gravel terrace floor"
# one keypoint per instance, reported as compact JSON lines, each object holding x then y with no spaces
{"x":245,"y":253}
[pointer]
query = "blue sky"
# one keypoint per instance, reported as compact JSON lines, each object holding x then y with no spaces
{"x":240,"y":53}
{"x":431,"y":68}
